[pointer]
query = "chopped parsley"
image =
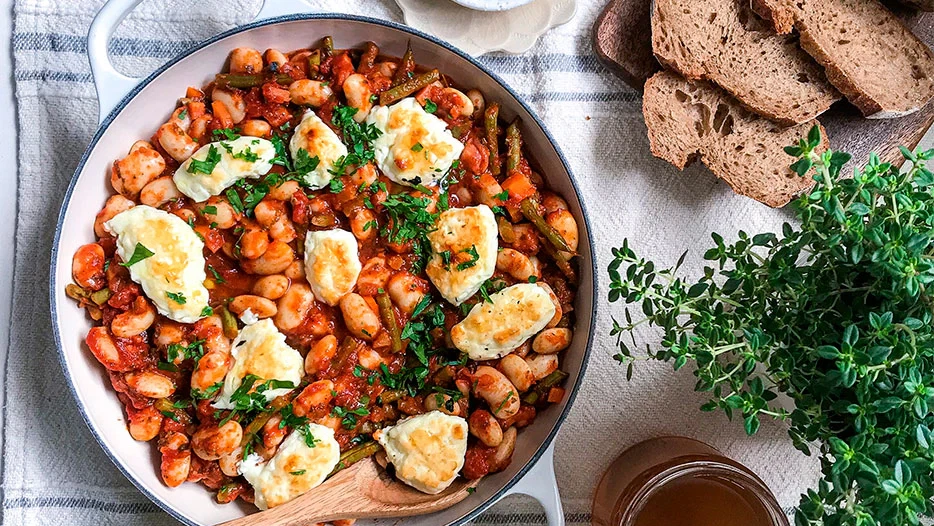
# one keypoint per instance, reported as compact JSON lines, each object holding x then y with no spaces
{"x":194,"y":351}
{"x":310,"y":439}
{"x":139,"y":253}
{"x":349,"y":416}
{"x":471,"y":489}
{"x":417,"y":147}
{"x":231,"y":134}
{"x":207,"y":165}
{"x":533,"y":279}
{"x":491,"y":286}
{"x":357,"y":136}
{"x":453,"y":395}
{"x":430,"y":106}
{"x":207,"y":393}
{"x":410,"y":220}
{"x":474,"y":257}
{"x":336,"y":186}
{"x":304,"y":163}
{"x":217,"y":277}
{"x":502,"y":196}
{"x":183,"y":114}
{"x":234,"y":199}
{"x":246,"y":400}
{"x":445,"y":258}
{"x":297,"y":473}
{"x":207,"y":311}
{"x":177,"y":297}
{"x":210,"y":209}
{"x":166,"y":366}
{"x":282,"y":157}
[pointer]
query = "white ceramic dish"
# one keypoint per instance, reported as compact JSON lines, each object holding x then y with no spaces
{"x":491,"y":5}
{"x":479,"y":32}
{"x":132,"y":109}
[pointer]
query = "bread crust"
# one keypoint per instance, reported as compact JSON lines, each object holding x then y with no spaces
{"x":695,"y":120}
{"x":915,"y":82}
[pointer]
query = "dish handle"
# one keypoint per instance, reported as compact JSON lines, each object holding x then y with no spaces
{"x":111,"y":85}
{"x":540,"y":484}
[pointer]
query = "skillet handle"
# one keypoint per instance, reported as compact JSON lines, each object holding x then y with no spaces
{"x":540,"y":483}
{"x":111,"y":85}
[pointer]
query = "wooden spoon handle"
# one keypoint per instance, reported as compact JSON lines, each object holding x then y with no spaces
{"x":362,"y":491}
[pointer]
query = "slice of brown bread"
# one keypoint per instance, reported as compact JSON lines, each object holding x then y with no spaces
{"x":866,"y":51}
{"x":725,"y":42}
{"x":695,"y":119}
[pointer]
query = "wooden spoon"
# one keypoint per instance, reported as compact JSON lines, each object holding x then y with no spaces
{"x":362,"y":491}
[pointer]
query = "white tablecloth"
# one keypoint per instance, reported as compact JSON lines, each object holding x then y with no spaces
{"x":55,"y":473}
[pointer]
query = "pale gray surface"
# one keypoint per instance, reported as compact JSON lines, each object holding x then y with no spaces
{"x":58,"y":475}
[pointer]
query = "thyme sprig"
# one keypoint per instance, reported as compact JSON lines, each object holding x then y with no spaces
{"x":835,"y":313}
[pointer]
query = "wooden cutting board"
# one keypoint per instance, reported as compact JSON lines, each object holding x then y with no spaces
{"x":622,"y":39}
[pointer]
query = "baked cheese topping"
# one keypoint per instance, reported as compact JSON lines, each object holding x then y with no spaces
{"x":331,"y":264}
{"x":319,"y":141}
{"x":427,"y":450}
{"x":463,"y":251}
{"x":172,"y":277}
{"x":495,"y":328}
{"x":260,"y":350}
{"x":415,"y":147}
{"x":295,"y":468}
{"x":227,"y":162}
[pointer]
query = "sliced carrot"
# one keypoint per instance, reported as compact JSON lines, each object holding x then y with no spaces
{"x":519,"y":186}
{"x":222,"y":116}
{"x":194,"y":93}
{"x":196,"y":109}
{"x":555,"y":395}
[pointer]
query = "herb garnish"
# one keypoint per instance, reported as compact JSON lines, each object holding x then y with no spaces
{"x":349,"y":416}
{"x":430,"y":106}
{"x":305,"y":164}
{"x":177,"y":297}
{"x":410,"y":220}
{"x":140,"y":253}
{"x":207,"y":165}
{"x":474,"y":257}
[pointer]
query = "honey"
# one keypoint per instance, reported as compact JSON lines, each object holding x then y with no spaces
{"x":675,"y":481}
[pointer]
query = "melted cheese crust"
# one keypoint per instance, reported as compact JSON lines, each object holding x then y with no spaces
{"x":318,"y":139}
{"x":228,"y":170}
{"x":427,"y":450}
{"x":415,"y":147}
{"x":494,"y":329}
{"x":260,"y":350}
{"x":294,"y":469}
{"x":177,"y":263}
{"x":331,"y":264}
{"x":458,"y":231}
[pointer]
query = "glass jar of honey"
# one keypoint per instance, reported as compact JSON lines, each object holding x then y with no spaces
{"x":673,"y":481}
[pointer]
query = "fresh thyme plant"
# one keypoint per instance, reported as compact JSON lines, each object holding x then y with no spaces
{"x":836,"y":313}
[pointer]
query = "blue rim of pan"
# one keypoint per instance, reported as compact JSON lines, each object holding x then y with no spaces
{"x":53,"y":285}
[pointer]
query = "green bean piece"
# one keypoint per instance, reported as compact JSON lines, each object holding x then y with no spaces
{"x":327,"y":44}
{"x":406,"y":67}
{"x":228,"y":322}
{"x":343,"y":352}
{"x":513,"y":146}
{"x":529,"y":207}
{"x":356,"y":454}
{"x":100,"y":297}
{"x":491,"y":124}
{"x":314,"y":59}
{"x":408,"y":87}
{"x":540,"y":391}
{"x":229,"y":80}
{"x":388,"y":316}
{"x":227,"y":493}
{"x":459,"y":130}
{"x":257,"y":424}
{"x":164,"y":405}
{"x":75,"y":292}
{"x":368,"y":58}
{"x":390,"y":396}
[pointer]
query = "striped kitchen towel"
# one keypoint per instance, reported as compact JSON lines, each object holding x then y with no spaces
{"x":53,"y":470}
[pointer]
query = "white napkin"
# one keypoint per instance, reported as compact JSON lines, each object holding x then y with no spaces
{"x":53,"y":470}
